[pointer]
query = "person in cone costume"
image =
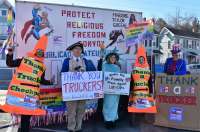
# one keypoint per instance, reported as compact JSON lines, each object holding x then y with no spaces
{"x":23,"y":92}
{"x":141,"y":99}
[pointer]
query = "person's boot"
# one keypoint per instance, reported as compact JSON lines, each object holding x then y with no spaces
{"x":70,"y":131}
{"x":108,"y":124}
{"x":19,"y":130}
{"x":80,"y":130}
{"x":114,"y":124}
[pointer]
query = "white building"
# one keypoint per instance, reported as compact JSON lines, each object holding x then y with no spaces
{"x":153,"y":47}
{"x":4,"y":6}
{"x":189,"y":41}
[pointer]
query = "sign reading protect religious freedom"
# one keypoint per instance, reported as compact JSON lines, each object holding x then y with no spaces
{"x":82,"y":85}
{"x":116,"y":83}
{"x":71,"y":24}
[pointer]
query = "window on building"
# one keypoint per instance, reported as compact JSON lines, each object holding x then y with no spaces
{"x":184,"y":43}
{"x":192,"y":44}
{"x":178,"y":41}
{"x":3,"y":12}
{"x":198,"y":45}
{"x":169,"y":44}
{"x":2,"y":55}
{"x":3,"y":29}
{"x":154,"y":44}
{"x":195,"y":44}
{"x":187,"y":44}
{"x":150,"y":43}
{"x":145,"y":43}
{"x":157,"y":42}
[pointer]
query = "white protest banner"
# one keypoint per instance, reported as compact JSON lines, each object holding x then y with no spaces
{"x":71,"y":24}
{"x":3,"y":97}
{"x":116,"y":83}
{"x":82,"y":85}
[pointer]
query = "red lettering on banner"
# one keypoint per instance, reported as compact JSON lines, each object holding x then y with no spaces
{"x":99,"y":83}
{"x":140,"y":24}
{"x":85,"y":25}
{"x":69,"y":14}
{"x":92,"y":43}
{"x":71,"y":86}
{"x":83,"y":87}
{"x":78,"y":14}
{"x":69,"y":24}
{"x":182,"y":100}
{"x":89,"y":86}
{"x":74,"y":25}
{"x":89,"y":34}
{"x":63,"y":12}
{"x":66,"y":86}
{"x":76,"y":88}
{"x":73,"y":34}
{"x":94,"y":85}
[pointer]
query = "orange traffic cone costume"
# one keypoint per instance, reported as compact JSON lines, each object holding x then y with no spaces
{"x":140,"y":100}
{"x":23,"y":91}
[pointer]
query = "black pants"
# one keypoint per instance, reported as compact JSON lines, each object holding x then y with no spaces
{"x":25,"y":123}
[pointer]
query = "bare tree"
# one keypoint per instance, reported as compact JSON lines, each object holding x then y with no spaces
{"x":160,"y":23}
{"x":187,"y":22}
{"x":195,"y":25}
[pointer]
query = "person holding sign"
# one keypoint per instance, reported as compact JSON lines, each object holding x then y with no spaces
{"x":76,"y":63}
{"x":110,"y":101}
{"x":175,"y":65}
{"x":30,"y":69}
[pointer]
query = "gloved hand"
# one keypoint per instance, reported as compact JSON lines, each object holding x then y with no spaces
{"x":10,"y":51}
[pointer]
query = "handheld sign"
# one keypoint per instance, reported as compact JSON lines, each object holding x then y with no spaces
{"x":82,"y":85}
{"x":178,"y":101}
{"x":116,"y":83}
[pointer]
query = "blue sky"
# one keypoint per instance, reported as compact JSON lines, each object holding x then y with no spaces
{"x":150,"y":8}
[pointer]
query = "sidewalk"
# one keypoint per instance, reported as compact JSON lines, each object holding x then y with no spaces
{"x":6,"y":123}
{"x":5,"y":119}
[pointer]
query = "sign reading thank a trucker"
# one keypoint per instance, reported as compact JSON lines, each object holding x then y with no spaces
{"x":177,"y":100}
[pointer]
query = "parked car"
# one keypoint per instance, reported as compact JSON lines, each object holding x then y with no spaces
{"x":193,"y":68}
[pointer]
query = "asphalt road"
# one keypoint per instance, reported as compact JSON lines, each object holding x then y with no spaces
{"x":93,"y":125}
{"x":122,"y":127}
